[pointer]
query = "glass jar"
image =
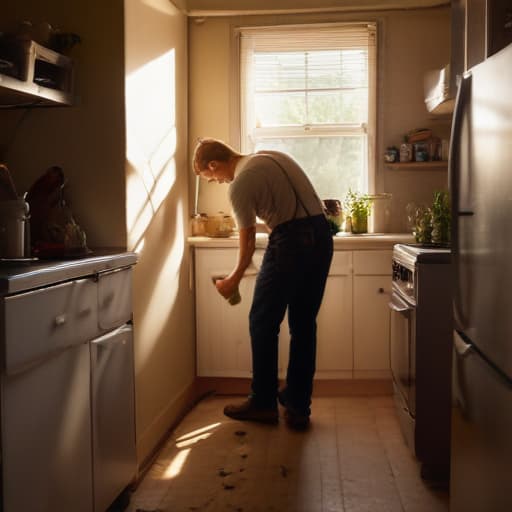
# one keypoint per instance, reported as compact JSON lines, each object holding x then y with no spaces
{"x":198,"y":224}
{"x":406,"y":152}
{"x":421,"y":152}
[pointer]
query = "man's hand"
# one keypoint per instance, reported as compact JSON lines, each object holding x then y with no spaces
{"x":227,"y":286}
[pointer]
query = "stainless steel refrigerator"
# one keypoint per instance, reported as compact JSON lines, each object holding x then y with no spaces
{"x":481,"y":188}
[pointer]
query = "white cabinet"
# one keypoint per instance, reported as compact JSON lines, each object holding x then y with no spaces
{"x":334,"y":354}
{"x":372,"y":289}
{"x":222,"y":330}
{"x":52,"y":458}
{"x":352,"y":324}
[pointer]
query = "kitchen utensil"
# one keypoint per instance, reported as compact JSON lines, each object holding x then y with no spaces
{"x":13,"y":215}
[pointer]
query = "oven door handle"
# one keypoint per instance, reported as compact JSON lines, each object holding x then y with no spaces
{"x":399,"y":305}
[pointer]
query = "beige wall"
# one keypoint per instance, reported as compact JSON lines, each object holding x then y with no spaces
{"x":157,"y":189}
{"x":127,"y":172}
{"x":410,"y":43}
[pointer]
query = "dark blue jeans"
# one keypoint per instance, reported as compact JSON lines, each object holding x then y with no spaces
{"x":293,"y":276}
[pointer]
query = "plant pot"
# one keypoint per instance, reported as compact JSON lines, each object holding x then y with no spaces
{"x":359,"y":223}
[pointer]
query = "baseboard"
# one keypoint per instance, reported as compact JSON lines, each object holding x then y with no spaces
{"x":322,"y":387}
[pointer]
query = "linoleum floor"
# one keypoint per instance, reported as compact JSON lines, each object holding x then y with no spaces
{"x":353,"y":459}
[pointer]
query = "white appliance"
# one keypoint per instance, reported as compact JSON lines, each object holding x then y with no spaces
{"x":67,"y":419}
{"x":113,"y":413}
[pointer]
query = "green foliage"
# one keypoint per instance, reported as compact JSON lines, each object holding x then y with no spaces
{"x":357,"y":204}
{"x":333,"y":225}
{"x":441,"y":217}
{"x":333,"y":164}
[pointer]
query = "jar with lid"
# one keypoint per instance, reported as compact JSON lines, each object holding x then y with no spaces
{"x":405,"y":152}
{"x":421,"y":152}
{"x":198,"y":224}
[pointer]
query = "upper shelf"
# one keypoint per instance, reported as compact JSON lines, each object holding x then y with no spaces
{"x":35,"y":76}
{"x":441,"y":165}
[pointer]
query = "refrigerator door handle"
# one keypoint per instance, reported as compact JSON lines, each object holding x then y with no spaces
{"x":462,"y":348}
{"x":454,"y":171}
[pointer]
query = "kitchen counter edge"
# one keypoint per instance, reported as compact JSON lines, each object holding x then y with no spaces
{"x":19,"y":277}
{"x":363,"y":242}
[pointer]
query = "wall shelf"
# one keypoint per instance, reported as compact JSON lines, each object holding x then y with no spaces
{"x":44,"y":78}
{"x":441,"y":165}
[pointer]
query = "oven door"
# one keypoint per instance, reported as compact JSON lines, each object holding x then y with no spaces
{"x":401,"y":349}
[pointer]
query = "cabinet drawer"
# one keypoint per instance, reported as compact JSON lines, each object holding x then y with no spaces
{"x":41,"y":321}
{"x":341,"y":264}
{"x":114,"y":298}
{"x":376,"y":263}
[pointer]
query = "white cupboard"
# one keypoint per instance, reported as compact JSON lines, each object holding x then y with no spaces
{"x":222,"y":330}
{"x":353,"y":321}
{"x":372,"y":290}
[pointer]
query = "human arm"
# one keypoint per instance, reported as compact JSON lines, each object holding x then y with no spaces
{"x":247,"y":244}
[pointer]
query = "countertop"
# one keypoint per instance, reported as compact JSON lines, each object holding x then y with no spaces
{"x":17,"y":277}
{"x":347,"y":242}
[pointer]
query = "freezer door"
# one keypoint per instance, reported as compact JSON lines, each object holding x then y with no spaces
{"x":481,"y":451}
{"x":481,"y":185}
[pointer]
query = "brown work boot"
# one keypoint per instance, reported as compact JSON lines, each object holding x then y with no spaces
{"x":293,"y":418}
{"x":296,"y":421}
{"x":249,"y":411}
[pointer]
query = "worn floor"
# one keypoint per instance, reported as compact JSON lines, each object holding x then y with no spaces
{"x":353,"y":459}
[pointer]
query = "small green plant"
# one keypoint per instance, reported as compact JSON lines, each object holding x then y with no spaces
{"x":356,"y":203}
{"x":431,"y":225}
{"x":333,"y":225}
{"x":441,"y":217}
{"x":357,"y":206}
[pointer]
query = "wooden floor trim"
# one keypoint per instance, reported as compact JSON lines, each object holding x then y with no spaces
{"x":323,"y":387}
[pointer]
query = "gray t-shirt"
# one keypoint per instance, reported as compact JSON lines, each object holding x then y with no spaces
{"x":268,"y":185}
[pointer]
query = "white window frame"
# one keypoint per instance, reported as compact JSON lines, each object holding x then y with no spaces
{"x":241,"y":139}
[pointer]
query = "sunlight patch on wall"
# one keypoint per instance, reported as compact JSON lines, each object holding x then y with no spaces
{"x":151,"y":141}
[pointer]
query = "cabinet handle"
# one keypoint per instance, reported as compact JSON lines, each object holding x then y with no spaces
{"x":381,"y":290}
{"x":60,"y":320}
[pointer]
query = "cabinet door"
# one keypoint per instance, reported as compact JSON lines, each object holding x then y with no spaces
{"x":46,"y":434}
{"x":113,"y":415}
{"x":371,"y":325}
{"x":334,"y":324}
{"x":334,"y":328}
{"x":222,"y":330}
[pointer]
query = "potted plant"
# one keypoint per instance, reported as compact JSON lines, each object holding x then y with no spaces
{"x":357,"y":206}
{"x":441,"y":218}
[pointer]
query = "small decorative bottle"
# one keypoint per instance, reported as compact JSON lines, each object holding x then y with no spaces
{"x":405,"y":150}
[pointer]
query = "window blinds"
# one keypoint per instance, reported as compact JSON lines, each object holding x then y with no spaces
{"x":307,"y":37}
{"x":304,"y":60}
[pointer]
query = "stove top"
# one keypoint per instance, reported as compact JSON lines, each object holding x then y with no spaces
{"x":410,"y":254}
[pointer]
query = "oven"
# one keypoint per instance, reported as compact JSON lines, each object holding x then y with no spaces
{"x":420,"y":352}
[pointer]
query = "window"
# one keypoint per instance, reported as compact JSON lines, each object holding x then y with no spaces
{"x":309,"y":90}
